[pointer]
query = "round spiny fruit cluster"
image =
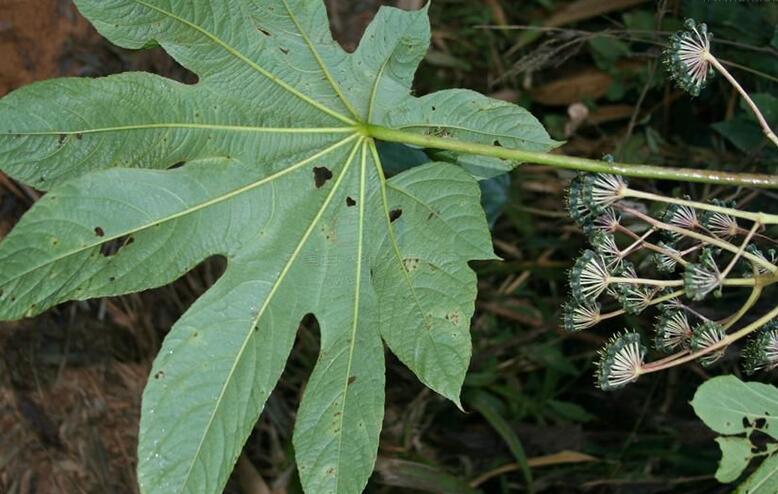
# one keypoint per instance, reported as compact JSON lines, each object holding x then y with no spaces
{"x":620,"y":361}
{"x":688,"y":57}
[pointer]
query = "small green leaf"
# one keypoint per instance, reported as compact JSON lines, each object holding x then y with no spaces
{"x":730,"y":406}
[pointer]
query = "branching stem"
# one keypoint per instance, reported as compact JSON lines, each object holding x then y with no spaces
{"x":763,"y":218}
{"x":697,"y":236}
{"x":758,"y":114}
{"x":684,"y":357}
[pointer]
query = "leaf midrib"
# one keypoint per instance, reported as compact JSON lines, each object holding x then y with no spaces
{"x":258,"y":68}
{"x":184,"y":125}
{"x":319,"y":61}
{"x":266,"y":304}
{"x":355,"y":315}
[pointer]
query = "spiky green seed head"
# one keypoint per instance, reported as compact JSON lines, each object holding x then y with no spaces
{"x":720,"y":224}
{"x":705,"y":335}
{"x":577,"y":316}
{"x":701,"y":278}
{"x":589,"y":277}
{"x":761,"y":351}
{"x":605,"y":245}
{"x":682,"y":217}
{"x":635,"y":298}
{"x":663,"y":262}
{"x":601,"y":190}
{"x":609,"y":221}
{"x":687,"y":57}
{"x":620,"y":361}
{"x":576,"y":208}
{"x":672,"y":331}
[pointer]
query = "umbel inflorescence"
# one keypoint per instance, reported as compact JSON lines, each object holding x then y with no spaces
{"x":674,"y":262}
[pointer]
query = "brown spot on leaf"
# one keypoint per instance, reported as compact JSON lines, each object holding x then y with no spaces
{"x":351,"y":380}
{"x":99,"y":231}
{"x":411,"y":264}
{"x":159,"y":375}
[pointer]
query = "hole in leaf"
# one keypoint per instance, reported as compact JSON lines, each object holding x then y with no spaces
{"x":350,"y":202}
{"x":79,"y":136}
{"x":761,"y":441}
{"x":178,"y":164}
{"x":159,"y":375}
{"x":497,"y":143}
{"x":285,"y":51}
{"x":395,"y":214}
{"x":320,"y":175}
{"x":113,"y":247}
{"x":99,"y":231}
{"x":351,"y":380}
{"x":264,"y":31}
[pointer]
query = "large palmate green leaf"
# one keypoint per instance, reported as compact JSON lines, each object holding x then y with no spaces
{"x":265,"y":161}
{"x":737,"y":410}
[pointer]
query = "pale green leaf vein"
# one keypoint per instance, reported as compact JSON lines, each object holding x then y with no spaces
{"x":236,"y":53}
{"x":355,"y":314}
{"x":179,"y":125}
{"x":393,"y":237}
{"x":266,"y":303}
{"x":335,"y":86}
{"x":192,"y":209}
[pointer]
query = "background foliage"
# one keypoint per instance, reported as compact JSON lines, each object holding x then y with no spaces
{"x":71,"y":378}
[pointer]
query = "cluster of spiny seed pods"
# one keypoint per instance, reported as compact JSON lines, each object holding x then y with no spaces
{"x":688,"y":252}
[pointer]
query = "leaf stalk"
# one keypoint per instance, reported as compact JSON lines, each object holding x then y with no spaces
{"x":574,"y":163}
